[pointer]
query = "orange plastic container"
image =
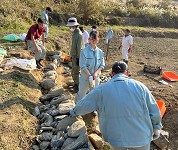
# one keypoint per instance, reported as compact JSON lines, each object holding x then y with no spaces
{"x":170,"y":76}
{"x":67,"y":58}
{"x":161,"y":106}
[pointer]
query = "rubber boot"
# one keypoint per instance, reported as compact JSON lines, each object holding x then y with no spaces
{"x":38,"y":64}
{"x":126,"y":61}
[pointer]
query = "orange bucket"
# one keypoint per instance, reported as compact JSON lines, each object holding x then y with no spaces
{"x":161,"y":106}
{"x":67,"y":58}
{"x":170,"y":76}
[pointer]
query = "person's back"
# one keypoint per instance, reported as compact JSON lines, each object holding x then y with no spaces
{"x":76,"y":43}
{"x":124,"y":102}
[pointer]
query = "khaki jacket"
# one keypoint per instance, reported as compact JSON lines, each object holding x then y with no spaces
{"x":77,"y":43}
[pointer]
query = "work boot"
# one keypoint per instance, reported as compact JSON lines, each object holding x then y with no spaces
{"x":74,"y":88}
{"x":46,"y":40}
{"x":126,"y":61}
{"x":38,"y":64}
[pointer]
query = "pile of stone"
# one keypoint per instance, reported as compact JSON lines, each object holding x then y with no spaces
{"x":57,"y":129}
{"x":53,"y":56}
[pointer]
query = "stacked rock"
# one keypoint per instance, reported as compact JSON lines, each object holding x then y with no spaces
{"x":57,"y":129}
{"x":53,"y":56}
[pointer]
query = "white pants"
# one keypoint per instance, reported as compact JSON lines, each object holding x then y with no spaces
{"x":146,"y":147}
{"x":125,"y":53}
{"x":46,"y":29}
{"x":84,"y":88}
{"x":42,"y":50}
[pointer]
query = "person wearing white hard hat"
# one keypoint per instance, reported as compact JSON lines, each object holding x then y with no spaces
{"x":75,"y":50}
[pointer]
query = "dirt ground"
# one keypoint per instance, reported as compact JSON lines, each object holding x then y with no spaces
{"x":20,"y":91}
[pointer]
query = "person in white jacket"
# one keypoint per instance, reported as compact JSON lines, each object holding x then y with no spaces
{"x":126,"y":45}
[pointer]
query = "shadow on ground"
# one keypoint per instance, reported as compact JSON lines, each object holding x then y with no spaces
{"x":24,"y":78}
{"x":29,"y":106}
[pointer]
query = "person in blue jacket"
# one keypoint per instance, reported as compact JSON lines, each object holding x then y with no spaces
{"x":129,"y":117}
{"x":91,"y":63}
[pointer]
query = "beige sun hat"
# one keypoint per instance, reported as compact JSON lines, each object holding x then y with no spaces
{"x":72,"y":22}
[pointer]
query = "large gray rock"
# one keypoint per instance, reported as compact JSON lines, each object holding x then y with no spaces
{"x":45,"y":136}
{"x":35,"y":147}
{"x":96,"y":140}
{"x":44,"y":145}
{"x":67,"y":101}
{"x":57,"y":140}
{"x":70,"y":64}
{"x":43,"y":108}
{"x":162,"y":142}
{"x":47,"y":84}
{"x":57,"y":92}
{"x":36,"y":111}
{"x":56,"y":60}
{"x":81,"y":140}
{"x":54,"y":112}
{"x":68,"y":121}
{"x":51,"y":53}
{"x":52,"y":94}
{"x":50,"y":73}
{"x":58,"y":118}
{"x":76,"y":129}
{"x":58,"y":100}
{"x":68,"y":141}
{"x":48,"y":119}
{"x":65,"y":107}
{"x":51,"y":66}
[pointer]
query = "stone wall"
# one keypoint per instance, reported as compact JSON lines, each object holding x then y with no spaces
{"x":57,"y":129}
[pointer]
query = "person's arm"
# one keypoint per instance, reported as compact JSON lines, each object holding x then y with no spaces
{"x":83,"y":64}
{"x":101,"y":67}
{"x":34,"y":43}
{"x":87,"y":104}
{"x":43,"y":38}
{"x":96,"y":73}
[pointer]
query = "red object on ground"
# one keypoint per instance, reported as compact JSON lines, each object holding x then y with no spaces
{"x":170,"y":76}
{"x":161,"y":106}
{"x":67,"y":58}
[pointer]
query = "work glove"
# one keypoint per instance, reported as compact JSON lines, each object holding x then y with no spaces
{"x":91,"y":81}
{"x":156,"y":134}
{"x":77,"y":61}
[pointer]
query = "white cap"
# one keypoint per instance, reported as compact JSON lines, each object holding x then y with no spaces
{"x":72,"y":22}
